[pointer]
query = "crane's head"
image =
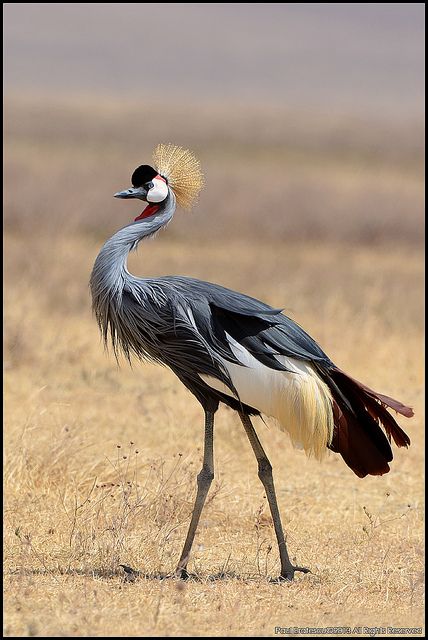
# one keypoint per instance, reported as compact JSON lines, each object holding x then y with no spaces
{"x":176,"y":169}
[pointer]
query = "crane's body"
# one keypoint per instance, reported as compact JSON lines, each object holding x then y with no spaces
{"x":229,"y":348}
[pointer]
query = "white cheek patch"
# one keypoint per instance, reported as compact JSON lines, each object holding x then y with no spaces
{"x":159,"y":191}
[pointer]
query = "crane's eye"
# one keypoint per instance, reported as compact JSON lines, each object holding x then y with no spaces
{"x":149,"y":186}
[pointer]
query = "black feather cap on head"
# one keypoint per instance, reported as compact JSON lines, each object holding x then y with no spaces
{"x":142,"y":174}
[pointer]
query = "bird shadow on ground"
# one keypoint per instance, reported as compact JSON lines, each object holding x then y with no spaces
{"x":130,"y":575}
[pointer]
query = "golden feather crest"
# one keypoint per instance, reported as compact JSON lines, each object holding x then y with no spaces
{"x":182,"y":170}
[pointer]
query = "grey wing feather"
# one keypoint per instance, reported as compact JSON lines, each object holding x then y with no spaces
{"x":264,"y":331}
{"x":186,"y":325}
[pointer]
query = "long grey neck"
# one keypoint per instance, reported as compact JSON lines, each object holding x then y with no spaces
{"x":110,"y":269}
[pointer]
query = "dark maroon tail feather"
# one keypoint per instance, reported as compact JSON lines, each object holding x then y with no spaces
{"x":398,"y":406}
{"x":359,"y":413}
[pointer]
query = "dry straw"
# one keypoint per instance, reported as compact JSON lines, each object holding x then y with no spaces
{"x":182,"y":170}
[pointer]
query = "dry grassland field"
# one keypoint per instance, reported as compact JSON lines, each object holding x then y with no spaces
{"x":322,"y":218}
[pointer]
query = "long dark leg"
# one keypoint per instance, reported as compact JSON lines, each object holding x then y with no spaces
{"x":205,"y":478}
{"x":265,"y":475}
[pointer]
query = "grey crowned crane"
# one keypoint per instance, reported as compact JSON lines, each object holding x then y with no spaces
{"x":227,"y":347}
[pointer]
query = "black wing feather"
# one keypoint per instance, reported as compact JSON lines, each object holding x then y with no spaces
{"x":261,"y":329}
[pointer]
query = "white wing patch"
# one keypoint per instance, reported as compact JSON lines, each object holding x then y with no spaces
{"x":299,"y":400}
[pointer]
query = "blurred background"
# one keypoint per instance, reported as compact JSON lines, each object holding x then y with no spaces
{"x":308,"y":121}
{"x":307,"y":117}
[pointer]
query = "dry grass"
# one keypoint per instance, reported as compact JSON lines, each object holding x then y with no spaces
{"x":77,"y":505}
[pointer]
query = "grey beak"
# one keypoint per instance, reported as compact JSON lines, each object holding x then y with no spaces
{"x":133,"y":192}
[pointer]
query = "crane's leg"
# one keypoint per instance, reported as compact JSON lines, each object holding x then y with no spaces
{"x":205,"y":477}
{"x":265,"y":475}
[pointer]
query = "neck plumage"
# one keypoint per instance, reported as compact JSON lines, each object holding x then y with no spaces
{"x":110,"y":269}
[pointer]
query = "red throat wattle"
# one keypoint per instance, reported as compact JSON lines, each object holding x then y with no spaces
{"x":148,"y":211}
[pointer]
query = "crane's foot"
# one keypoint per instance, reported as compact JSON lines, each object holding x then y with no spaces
{"x":183,"y":574}
{"x":130,"y":574}
{"x":287,"y":575}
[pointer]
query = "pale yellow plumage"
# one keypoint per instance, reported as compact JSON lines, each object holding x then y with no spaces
{"x":298,"y":399}
{"x":182,"y":170}
{"x":304,"y":411}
